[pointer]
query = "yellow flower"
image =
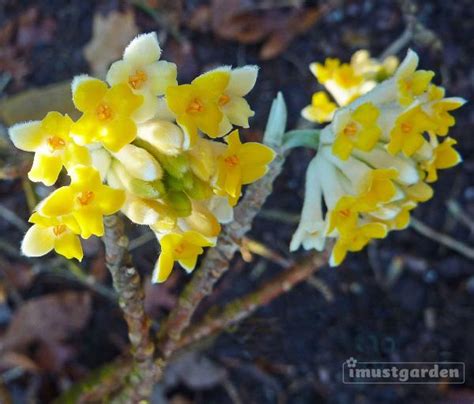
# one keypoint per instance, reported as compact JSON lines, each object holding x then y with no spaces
{"x":231,"y":102}
{"x":346,"y":77}
{"x":321,"y":108}
{"x":410,"y":82}
{"x":444,"y":156}
{"x":241,"y":164}
{"x":437,"y":108}
{"x":344,"y":216}
{"x":48,"y":233}
{"x":86,"y":199}
{"x":52,"y":144}
{"x":358,"y":129}
{"x":143,"y":73}
{"x":407,"y":133}
{"x":196,"y":105}
{"x":378,"y":188}
{"x":107,"y":113}
{"x":356,"y":241}
{"x":325,"y":72}
{"x":184,"y":248}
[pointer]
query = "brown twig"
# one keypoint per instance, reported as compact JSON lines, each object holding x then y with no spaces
{"x":217,"y":260}
{"x":442,"y":238}
{"x":242,"y":308}
{"x":415,"y":31}
{"x":127,"y":283}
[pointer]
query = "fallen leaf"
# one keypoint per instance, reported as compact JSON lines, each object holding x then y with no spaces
{"x":244,"y":22}
{"x":17,"y":360}
{"x":110,"y":35}
{"x":51,"y":318}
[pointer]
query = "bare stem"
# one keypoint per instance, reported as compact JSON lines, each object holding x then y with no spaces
{"x":127,"y":283}
{"x":242,"y":308}
{"x":442,"y":238}
{"x":217,"y":260}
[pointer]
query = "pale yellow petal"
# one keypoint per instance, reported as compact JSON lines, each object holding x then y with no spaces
{"x":38,"y":241}
{"x":144,"y":49}
{"x":27,"y":136}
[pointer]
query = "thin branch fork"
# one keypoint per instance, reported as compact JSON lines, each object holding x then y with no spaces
{"x":217,"y":259}
{"x":128,"y":285}
{"x":244,"y":307}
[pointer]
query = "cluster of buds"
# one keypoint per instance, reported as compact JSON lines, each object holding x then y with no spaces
{"x":142,"y":146}
{"x":376,"y":158}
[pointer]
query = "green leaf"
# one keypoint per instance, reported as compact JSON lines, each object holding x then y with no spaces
{"x":301,"y":138}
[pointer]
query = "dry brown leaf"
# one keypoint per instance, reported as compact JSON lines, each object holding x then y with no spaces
{"x":17,"y":360}
{"x":51,"y":318}
{"x":110,"y":35}
{"x":241,"y":21}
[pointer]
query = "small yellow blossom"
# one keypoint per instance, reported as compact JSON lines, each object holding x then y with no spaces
{"x":358,"y":129}
{"x":321,"y":109}
{"x":344,"y":216}
{"x":407,"y":133}
{"x":343,"y":73}
{"x":231,"y":102}
{"x":444,"y":156}
{"x":356,"y":241}
{"x":378,"y":188}
{"x":196,"y":105}
{"x":52,"y":144}
{"x":107,"y":113}
{"x":86,"y":199}
{"x":184,"y":248}
{"x":411,"y":82}
{"x":241,"y":164}
{"x":438,"y":109}
{"x":48,"y":233}
{"x":145,"y":75}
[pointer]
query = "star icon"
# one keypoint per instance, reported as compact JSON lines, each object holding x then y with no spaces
{"x":351,"y":362}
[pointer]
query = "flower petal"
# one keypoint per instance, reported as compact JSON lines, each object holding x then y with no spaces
{"x":144,"y":49}
{"x":27,"y":136}
{"x":91,"y":222}
{"x":87,"y":92}
{"x":38,"y":241}
{"x":68,"y":245}
{"x":242,"y":80}
{"x":59,"y":203}
{"x":45,"y":169}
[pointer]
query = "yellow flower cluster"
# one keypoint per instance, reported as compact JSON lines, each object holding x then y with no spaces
{"x":143,"y":134}
{"x":375,"y":161}
{"x":345,"y":82}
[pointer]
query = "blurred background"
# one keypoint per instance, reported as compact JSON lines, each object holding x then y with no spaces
{"x":406,"y":298}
